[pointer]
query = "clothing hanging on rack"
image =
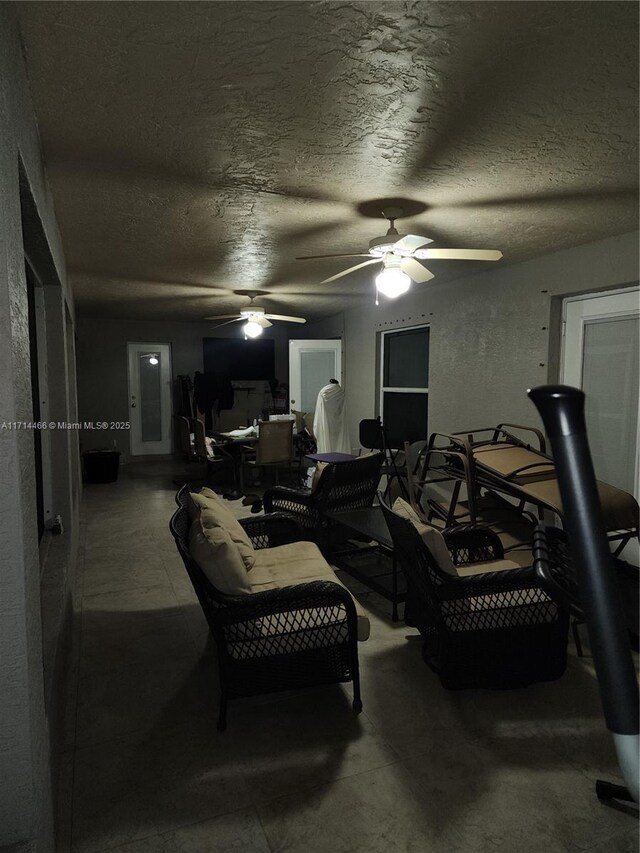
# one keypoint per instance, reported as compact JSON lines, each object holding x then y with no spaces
{"x":183,"y":396}
{"x":209,"y":390}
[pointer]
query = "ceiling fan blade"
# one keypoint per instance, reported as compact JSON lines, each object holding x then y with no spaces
{"x":351,"y":269}
{"x":262,"y":321}
{"x":411,"y":242}
{"x":415,"y":270}
{"x":286,"y":318}
{"x":342,"y":255}
{"x":226,"y":323}
{"x":460,"y":254}
{"x":235,"y":316}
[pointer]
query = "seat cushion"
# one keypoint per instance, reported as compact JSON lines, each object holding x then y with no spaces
{"x":298,"y":562}
{"x":214,"y":513}
{"x":287,"y":564}
{"x":431,"y":536}
{"x":467,"y":569}
{"x":218,"y":557}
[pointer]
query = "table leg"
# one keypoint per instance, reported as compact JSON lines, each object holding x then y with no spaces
{"x":394,"y":576}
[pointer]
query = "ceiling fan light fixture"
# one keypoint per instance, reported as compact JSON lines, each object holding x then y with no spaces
{"x":392,"y":282}
{"x":252,"y":329}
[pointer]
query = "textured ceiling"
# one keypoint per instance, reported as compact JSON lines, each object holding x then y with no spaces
{"x":195,"y":149}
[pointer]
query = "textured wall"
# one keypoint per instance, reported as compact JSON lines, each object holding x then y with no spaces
{"x":490,"y":334}
{"x":25,"y":790}
{"x":102,"y":365}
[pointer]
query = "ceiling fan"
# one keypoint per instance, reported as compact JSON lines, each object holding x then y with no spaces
{"x":256,"y":320}
{"x":400,"y":255}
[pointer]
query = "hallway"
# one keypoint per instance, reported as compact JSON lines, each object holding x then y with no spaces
{"x":145,"y":771}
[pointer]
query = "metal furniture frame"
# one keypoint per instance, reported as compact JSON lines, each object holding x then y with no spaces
{"x":372,"y":563}
{"x":456,"y":458}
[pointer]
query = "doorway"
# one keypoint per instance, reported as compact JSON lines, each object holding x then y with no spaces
{"x":311,"y":365}
{"x":149,"y":398}
{"x":600,"y":355}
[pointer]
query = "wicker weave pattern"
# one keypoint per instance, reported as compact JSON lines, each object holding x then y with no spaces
{"x":343,"y":486}
{"x":473,"y":544}
{"x":277,"y":639}
{"x":496,"y":630}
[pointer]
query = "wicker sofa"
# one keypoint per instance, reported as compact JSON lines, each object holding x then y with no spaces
{"x":295,"y":626}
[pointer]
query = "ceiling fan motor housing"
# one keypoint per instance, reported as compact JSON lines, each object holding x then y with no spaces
{"x":380,"y":245}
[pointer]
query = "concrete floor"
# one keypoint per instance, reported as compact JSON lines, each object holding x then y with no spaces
{"x":421,"y":769}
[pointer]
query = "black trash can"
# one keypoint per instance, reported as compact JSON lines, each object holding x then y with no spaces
{"x":101,"y":466}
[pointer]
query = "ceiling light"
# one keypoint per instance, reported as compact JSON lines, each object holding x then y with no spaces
{"x":153,"y":360}
{"x":392,"y":282}
{"x":252,"y":329}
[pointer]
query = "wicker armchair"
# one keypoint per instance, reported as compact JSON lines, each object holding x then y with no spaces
{"x":342,"y":486}
{"x":280,"y":639}
{"x":490,"y":630}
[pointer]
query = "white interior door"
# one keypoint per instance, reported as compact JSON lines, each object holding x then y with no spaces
{"x":600,"y":355}
{"x":311,"y":365}
{"x":150,"y":398}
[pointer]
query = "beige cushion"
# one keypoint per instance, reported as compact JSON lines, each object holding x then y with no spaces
{"x":308,"y":421}
{"x":431,"y":536}
{"x":483,"y":568}
{"x":217,"y":555}
{"x":215,"y":514}
{"x":298,"y":562}
{"x":299,"y":419}
{"x":320,"y":466}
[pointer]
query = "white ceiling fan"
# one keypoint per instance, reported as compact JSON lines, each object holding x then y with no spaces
{"x":255,"y":319}
{"x":400,"y":256}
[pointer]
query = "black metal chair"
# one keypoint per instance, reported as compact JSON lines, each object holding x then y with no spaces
{"x":491,"y":630}
{"x":280,"y":639}
{"x":342,"y":486}
{"x":274,"y":448}
{"x":372,"y":436}
{"x":184,"y":441}
{"x":215,"y":456}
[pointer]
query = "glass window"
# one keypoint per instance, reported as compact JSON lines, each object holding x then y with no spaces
{"x":404,"y":387}
{"x":150,"y":394}
{"x":406,"y":359}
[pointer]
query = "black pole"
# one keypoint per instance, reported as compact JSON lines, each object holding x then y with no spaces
{"x":562,"y":410}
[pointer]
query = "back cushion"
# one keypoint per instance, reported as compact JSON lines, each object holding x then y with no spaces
{"x":214,"y":513}
{"x":317,"y":474}
{"x":219,"y":558}
{"x":430,"y":535}
{"x":299,"y":419}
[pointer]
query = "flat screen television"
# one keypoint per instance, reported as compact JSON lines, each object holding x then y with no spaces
{"x":240,"y":359}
